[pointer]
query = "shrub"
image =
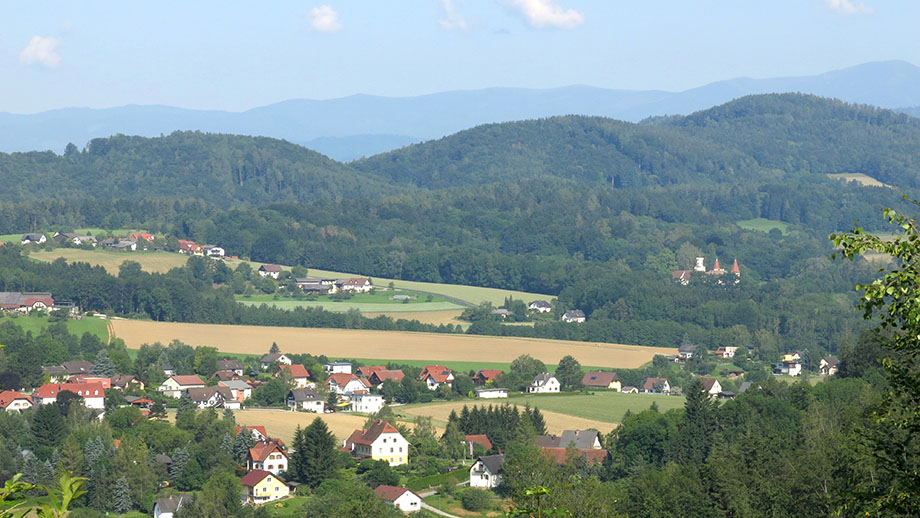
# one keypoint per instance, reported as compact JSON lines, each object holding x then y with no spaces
{"x":475,"y":499}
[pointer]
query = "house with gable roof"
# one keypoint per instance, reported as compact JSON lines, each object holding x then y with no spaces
{"x":602,"y":380}
{"x":656,"y":386}
{"x":347,"y":384}
{"x":268,"y":456}
{"x":306,"y":399}
{"x":239,"y":389}
{"x":365,"y":372}
{"x":270,"y":270}
{"x":93,"y":394}
{"x":399,"y":497}
{"x":378,"y":377}
{"x":355,"y":285}
{"x":486,"y":472}
{"x":543,"y":384}
{"x":573,"y":316}
{"x":828,"y":366}
{"x":213,"y":397}
{"x":13,"y":401}
{"x":436,"y":375}
{"x":168,"y":507}
{"x":26,"y":301}
{"x":712,"y":387}
{"x":540,"y":306}
{"x":230,"y":365}
{"x":261,"y":486}
{"x":258,"y":432}
{"x":484,"y":376}
{"x":271,"y":358}
{"x":35,"y":237}
{"x":381,"y":441}
{"x":297,"y":372}
{"x":175,"y":385}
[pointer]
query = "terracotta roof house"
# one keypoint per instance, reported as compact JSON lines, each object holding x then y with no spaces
{"x":484,"y":376}
{"x":258,"y":432}
{"x":378,"y":377}
{"x":297,"y":372}
{"x":356,"y":284}
{"x":601,"y":379}
{"x":174,"y":386}
{"x":268,"y":456}
{"x":436,"y":375}
{"x":365,"y":372}
{"x":345,"y":384}
{"x":225,"y":375}
{"x":381,"y":441}
{"x":13,"y":401}
{"x":270,"y":270}
{"x":656,"y":386}
{"x":93,"y":394}
{"x":481,"y":439}
{"x":190,"y":247}
{"x":400,"y":497}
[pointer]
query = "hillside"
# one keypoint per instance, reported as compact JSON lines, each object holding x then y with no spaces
{"x":222,"y":169}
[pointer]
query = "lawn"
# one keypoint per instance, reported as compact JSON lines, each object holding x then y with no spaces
{"x":159,"y":262}
{"x":287,"y":507}
{"x":378,"y":302}
{"x":36,"y":323}
{"x":763,"y":225}
{"x":453,"y":506}
{"x":607,"y":406}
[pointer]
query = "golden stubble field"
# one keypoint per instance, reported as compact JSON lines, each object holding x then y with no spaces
{"x":555,"y":422}
{"x":385,"y":345}
{"x":283,"y":423}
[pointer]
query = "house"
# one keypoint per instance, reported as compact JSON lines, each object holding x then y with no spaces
{"x":168,"y":370}
{"x":174,"y":386}
{"x":682,"y":276}
{"x":735,"y":373}
{"x":306,"y":399}
{"x":230,"y":365}
{"x":486,"y":472}
{"x":105,"y":382}
{"x":258,"y":433}
{"x":126,"y":381}
{"x":190,"y":247}
{"x":560,"y":456}
{"x":62,"y":372}
{"x":629,"y":390}
{"x":316,"y":286}
{"x":268,"y":456}
{"x":656,"y":386}
{"x":543,"y":384}
{"x":685,"y":351}
{"x":26,"y":301}
{"x":366,"y":403}
{"x":436,"y":375}
{"x":727,"y":352}
{"x":140,"y":402}
{"x":355,"y":285}
{"x":297,"y":372}
{"x":579,"y":439}
{"x":337,"y":368}
{"x":28,"y":239}
{"x":122,"y":245}
{"x":168,"y":507}
{"x":712,"y":387}
{"x":400,"y":498}
{"x":76,"y":239}
{"x":501,"y":312}
{"x":540,"y":306}
{"x":213,"y":397}
{"x":347,"y":384}
{"x":225,"y":375}
{"x":484,"y":376}
{"x":381,"y":441}
{"x":491,"y":392}
{"x":601,"y":379}
{"x":828,"y":366}
{"x":272,"y":358}
{"x":573,"y":315}
{"x":270,"y":270}
{"x":480,"y":439}
{"x":142,"y":236}
{"x":239,"y":389}
{"x":93,"y":394}
{"x":365,"y":372}
{"x":13,"y":401}
{"x":789,"y":365}
{"x":378,"y":377}
{"x":213,"y":251}
{"x":260,"y":486}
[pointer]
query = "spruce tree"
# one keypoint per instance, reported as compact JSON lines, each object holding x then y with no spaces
{"x":297,"y":463}
{"x":48,"y":426}
{"x":226,"y":445}
{"x":244,"y":441}
{"x":274,"y":349}
{"x":539,"y":424}
{"x":104,"y":366}
{"x":121,"y":497}
{"x":180,"y":458}
{"x":694,"y":432}
{"x":319,"y":453}
{"x":157,"y":411}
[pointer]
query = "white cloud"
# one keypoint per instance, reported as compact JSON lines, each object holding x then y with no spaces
{"x":849,"y":7}
{"x":453,"y":19}
{"x":545,"y":13}
{"x":325,"y":19}
{"x":41,"y":50}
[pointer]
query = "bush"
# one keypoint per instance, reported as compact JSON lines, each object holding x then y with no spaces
{"x":475,"y":499}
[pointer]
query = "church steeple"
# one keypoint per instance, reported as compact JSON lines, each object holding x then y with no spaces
{"x":735,"y":269}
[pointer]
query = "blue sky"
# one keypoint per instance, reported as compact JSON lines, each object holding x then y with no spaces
{"x":238,"y":55}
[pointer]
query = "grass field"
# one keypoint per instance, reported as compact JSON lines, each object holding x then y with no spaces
{"x":371,"y":303}
{"x":96,"y":326}
{"x":859,"y":178}
{"x":396,"y":345}
{"x":452,"y":505}
{"x":556,"y":422}
{"x":163,"y":261}
{"x":600,"y":406}
{"x":159,"y":262}
{"x":763,"y":225}
{"x":450,"y":316}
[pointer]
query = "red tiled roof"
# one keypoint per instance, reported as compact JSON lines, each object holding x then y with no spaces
{"x":438,"y":373}
{"x":381,"y":376}
{"x":356,"y":281}
{"x":297,"y":370}
{"x":261,"y":450}
{"x":188,"y":380}
{"x":558,"y":455}
{"x":260,"y":429}
{"x":599,"y":379}
{"x":371,"y":434}
{"x":341,"y":379}
{"x":254,"y":477}
{"x":390,"y":493}
{"x":8,"y":396}
{"x":480,"y":439}
{"x":488,"y":374}
{"x":367,"y":371}
{"x":650,"y":383}
{"x":270,"y":268}
{"x":51,"y":390}
{"x":145,"y":237}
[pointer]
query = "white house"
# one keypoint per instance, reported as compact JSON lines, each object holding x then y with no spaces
{"x":174,"y":386}
{"x":486,"y":472}
{"x":573,"y":315}
{"x":400,"y":498}
{"x":356,"y":285}
{"x":543,"y":384}
{"x":436,"y":375}
{"x":168,"y":507}
{"x":712,"y":387}
{"x":33,"y":238}
{"x":268,"y":456}
{"x":789,"y":365}
{"x":13,"y":401}
{"x":337,"y":368}
{"x":305,"y":399}
{"x":366,"y":403}
{"x":271,"y":358}
{"x":214,"y":251}
{"x":93,"y":394}
{"x":828,"y":365}
{"x":656,"y":386}
{"x":381,"y":441}
{"x":298,"y":373}
{"x":540,"y":306}
{"x":239,"y":389}
{"x":491,"y":393}
{"x":213,"y":397}
{"x":347,"y":384}
{"x":270,"y":270}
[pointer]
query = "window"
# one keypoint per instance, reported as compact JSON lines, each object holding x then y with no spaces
{"x":400,"y":449}
{"x":277,"y":489}
{"x":391,"y":450}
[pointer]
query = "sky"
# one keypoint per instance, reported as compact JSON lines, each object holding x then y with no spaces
{"x":239,"y":55}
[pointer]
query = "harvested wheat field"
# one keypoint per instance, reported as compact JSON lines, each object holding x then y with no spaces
{"x":282,"y":423}
{"x":387,"y":345}
{"x":555,"y":422}
{"x":447,"y":316}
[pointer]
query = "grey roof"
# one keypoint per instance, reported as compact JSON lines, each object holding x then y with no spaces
{"x":540,"y":304}
{"x":54,"y":370}
{"x":302,"y":394}
{"x":831,"y":360}
{"x":236,"y":384}
{"x":229,"y":365}
{"x":574,"y":313}
{"x":32,"y":237}
{"x":271,"y":357}
{"x":493,"y":463}
{"x":162,"y":458}
{"x":583,"y":439}
{"x":501,"y":311}
{"x":206,"y":393}
{"x":688,"y":348}
{"x":337,"y":364}
{"x":173,"y":503}
{"x":78,"y":367}
{"x":541,"y":379}
{"x":744,"y":386}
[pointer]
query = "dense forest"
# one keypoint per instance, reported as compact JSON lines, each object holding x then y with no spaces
{"x":593,"y":211}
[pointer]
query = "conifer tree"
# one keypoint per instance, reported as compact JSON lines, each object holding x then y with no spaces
{"x":244,"y":441}
{"x":121,"y":496}
{"x":226,"y":445}
{"x":539,"y":424}
{"x":274,"y":349}
{"x":180,"y":458}
{"x":319,"y":453}
{"x":157,"y":411}
{"x":104,"y":366}
{"x":297,"y":463}
{"x":695,"y":431}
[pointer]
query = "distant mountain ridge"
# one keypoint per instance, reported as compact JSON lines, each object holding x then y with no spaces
{"x":364,"y":125}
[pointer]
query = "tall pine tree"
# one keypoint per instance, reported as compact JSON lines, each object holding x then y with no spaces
{"x":319,"y":453}
{"x":121,"y":496}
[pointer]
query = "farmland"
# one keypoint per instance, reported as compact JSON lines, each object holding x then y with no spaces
{"x":394,"y":345}
{"x":35,"y":324}
{"x":764,"y":225}
{"x":378,"y":302}
{"x":859,"y":178}
{"x":282,"y":423}
{"x":157,"y":262}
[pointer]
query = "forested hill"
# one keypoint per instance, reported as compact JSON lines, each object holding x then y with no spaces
{"x":222,"y":169}
{"x":753,"y":138}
